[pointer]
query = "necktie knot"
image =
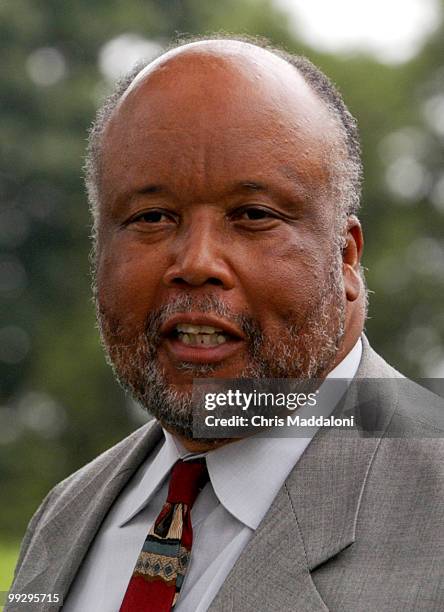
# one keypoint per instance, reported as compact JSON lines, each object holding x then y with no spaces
{"x":187,"y":479}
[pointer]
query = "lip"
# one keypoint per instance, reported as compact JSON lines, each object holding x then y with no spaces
{"x":179,"y":351}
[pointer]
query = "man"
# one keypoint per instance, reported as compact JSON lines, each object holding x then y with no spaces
{"x":224,"y":182}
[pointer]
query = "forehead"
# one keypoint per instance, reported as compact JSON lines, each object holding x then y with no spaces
{"x":225,"y":105}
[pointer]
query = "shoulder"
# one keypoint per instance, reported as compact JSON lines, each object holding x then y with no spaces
{"x":410,"y":410}
{"x":123,"y":457}
{"x":406,"y":474}
{"x":85,"y":496}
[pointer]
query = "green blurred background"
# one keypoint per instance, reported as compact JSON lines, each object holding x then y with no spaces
{"x":59,"y":405}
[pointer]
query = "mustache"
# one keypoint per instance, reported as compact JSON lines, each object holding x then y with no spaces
{"x":204,"y":304}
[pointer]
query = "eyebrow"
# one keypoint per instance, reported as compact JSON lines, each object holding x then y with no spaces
{"x":251,"y":185}
{"x":242,"y":186}
{"x":263,"y":187}
{"x":153,"y":189}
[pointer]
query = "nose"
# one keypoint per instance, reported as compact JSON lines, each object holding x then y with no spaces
{"x":199,"y":259}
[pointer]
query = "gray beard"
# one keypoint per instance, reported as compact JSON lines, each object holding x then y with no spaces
{"x":307,"y":351}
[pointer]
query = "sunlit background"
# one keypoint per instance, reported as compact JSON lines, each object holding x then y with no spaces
{"x":59,"y":406}
{"x":392,"y":31}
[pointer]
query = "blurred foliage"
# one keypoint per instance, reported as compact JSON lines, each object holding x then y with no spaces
{"x":59,"y":404}
{"x":8,"y":556}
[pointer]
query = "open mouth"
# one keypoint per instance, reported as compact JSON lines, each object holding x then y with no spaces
{"x":199,"y":335}
{"x":199,"y":338}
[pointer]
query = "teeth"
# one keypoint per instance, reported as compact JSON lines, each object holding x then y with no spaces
{"x":200,"y":335}
{"x":212,"y":339}
{"x":196,"y":329}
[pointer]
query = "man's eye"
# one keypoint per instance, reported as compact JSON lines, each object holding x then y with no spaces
{"x":152,"y":216}
{"x":254,"y":214}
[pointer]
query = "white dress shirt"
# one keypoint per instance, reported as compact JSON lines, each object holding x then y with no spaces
{"x":245,"y":476}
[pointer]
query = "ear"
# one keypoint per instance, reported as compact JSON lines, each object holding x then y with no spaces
{"x":351,"y":258}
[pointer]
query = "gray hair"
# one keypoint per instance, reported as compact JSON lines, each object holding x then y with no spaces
{"x":347,"y":172}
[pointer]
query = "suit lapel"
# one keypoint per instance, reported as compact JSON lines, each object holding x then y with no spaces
{"x":326,"y":488}
{"x":327,"y":484}
{"x":271,"y":574}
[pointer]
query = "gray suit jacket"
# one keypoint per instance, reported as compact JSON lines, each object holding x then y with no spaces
{"x":357,"y":527}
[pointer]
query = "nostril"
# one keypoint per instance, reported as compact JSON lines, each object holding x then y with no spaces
{"x":182,"y":282}
{"x":215,"y":281}
{"x":179,"y":281}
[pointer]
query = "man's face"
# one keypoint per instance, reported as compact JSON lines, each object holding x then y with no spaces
{"x":217,"y":250}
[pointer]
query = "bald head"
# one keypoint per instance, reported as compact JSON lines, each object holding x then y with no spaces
{"x":223,"y":70}
{"x":244,"y":70}
{"x":216,"y":100}
{"x":238,"y":81}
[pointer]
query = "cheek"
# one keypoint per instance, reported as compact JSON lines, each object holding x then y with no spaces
{"x":128,"y":284}
{"x":287,"y":283}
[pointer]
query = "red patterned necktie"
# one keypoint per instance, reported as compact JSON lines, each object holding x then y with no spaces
{"x":163,"y":561}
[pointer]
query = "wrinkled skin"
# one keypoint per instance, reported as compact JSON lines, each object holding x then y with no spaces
{"x":216,"y":197}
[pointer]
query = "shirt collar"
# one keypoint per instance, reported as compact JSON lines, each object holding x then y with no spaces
{"x":149,"y":478}
{"x":152,"y":473}
{"x":348,"y":367}
{"x":246,"y":475}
